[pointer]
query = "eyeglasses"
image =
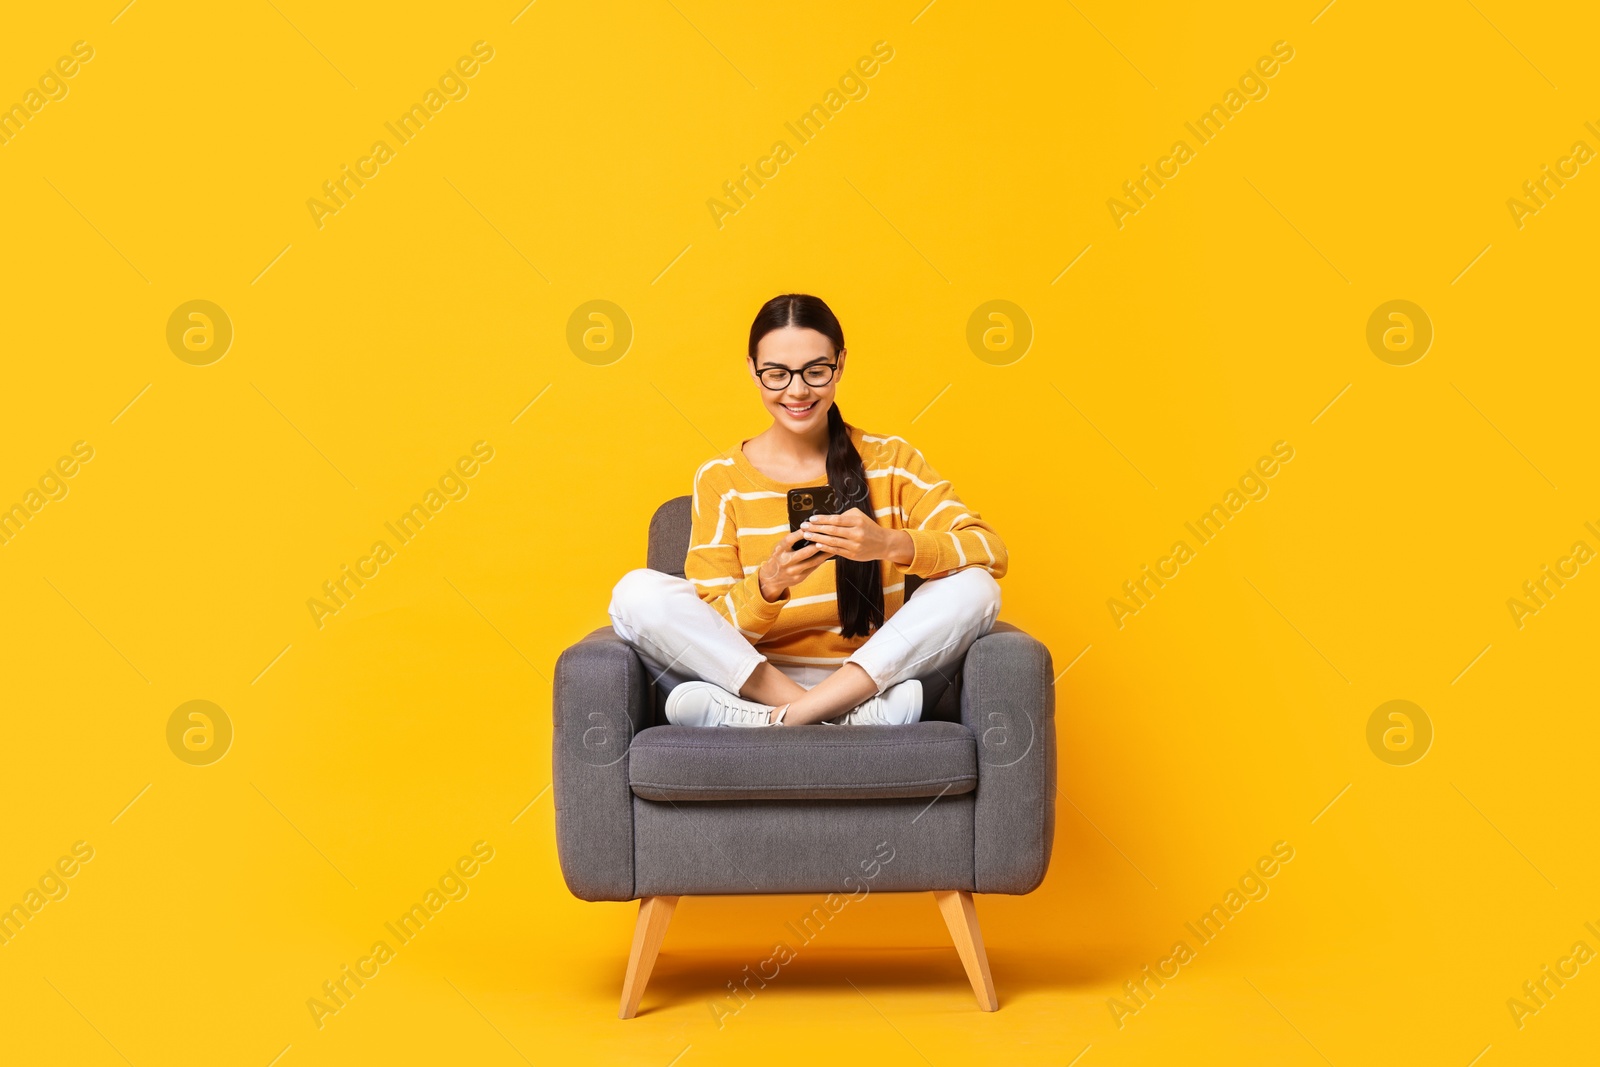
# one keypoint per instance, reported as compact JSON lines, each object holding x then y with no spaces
{"x":777,"y":378}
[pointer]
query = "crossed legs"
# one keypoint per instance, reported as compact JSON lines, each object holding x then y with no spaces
{"x":682,"y":637}
{"x":838,"y":692}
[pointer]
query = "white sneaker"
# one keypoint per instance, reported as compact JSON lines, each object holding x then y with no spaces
{"x":899,"y":705}
{"x":705,"y":704}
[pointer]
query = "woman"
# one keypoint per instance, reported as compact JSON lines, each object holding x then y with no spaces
{"x":759,"y":633}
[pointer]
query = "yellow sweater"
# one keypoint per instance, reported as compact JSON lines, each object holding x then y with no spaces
{"x":739,"y":514}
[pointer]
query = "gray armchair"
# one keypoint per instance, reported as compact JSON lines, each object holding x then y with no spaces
{"x":961,"y":802}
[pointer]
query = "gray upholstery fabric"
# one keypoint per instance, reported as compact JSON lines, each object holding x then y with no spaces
{"x":1009,"y":702}
{"x":614,"y":845}
{"x":803,"y":846}
{"x":669,"y":535}
{"x":600,"y":702}
{"x":924,"y":759}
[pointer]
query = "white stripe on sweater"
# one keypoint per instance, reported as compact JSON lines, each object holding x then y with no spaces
{"x":891,"y":437}
{"x":695,"y":548}
{"x":942,"y":505}
{"x":820,"y":598}
{"x":722,"y":506}
{"x":912,"y":478}
{"x":985,"y":543}
{"x":707,"y":465}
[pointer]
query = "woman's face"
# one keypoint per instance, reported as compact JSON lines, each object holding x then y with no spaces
{"x":798,"y":407}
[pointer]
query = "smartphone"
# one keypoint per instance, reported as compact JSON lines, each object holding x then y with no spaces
{"x":804,"y":503}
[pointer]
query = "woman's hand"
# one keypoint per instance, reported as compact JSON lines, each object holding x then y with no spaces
{"x":786,"y":567}
{"x":855,"y":536}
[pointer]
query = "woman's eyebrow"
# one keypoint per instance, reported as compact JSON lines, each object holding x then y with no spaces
{"x":803,"y":366}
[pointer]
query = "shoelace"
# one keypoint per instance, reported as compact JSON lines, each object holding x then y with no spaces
{"x":742,"y":713}
{"x":869,"y":708}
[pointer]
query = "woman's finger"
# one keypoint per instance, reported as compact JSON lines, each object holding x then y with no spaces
{"x":829,"y":540}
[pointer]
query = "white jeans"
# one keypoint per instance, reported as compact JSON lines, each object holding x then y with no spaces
{"x":681,"y":637}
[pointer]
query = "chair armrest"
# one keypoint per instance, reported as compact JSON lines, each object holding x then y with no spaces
{"x":1008,"y":701}
{"x":601,"y":698}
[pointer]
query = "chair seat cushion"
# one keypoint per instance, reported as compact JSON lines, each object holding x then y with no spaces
{"x":924,"y":759}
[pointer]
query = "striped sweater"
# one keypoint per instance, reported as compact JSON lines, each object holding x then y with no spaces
{"x":739,"y":514}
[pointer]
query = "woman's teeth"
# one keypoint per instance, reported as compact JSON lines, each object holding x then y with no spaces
{"x":801,"y":410}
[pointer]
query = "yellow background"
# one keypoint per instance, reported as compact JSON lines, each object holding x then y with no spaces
{"x":432,"y":309}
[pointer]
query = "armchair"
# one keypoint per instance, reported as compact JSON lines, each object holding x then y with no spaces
{"x":648,"y":811}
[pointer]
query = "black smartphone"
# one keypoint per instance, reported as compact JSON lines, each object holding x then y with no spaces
{"x":804,"y":503}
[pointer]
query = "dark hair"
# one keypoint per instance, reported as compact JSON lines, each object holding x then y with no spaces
{"x":859,"y":582}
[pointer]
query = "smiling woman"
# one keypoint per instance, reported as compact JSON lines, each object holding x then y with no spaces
{"x":759,"y":630}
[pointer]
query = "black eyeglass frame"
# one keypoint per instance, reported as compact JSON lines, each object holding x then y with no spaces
{"x":790,"y":372}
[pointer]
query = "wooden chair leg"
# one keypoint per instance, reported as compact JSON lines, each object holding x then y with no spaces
{"x":962,"y":919}
{"x":648,"y":933}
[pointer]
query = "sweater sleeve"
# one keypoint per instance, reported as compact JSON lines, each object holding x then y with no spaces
{"x":713,"y":562}
{"x":946,"y":534}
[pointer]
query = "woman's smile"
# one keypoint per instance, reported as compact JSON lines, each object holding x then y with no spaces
{"x":800,"y":411}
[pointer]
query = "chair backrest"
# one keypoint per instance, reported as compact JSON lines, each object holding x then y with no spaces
{"x":669,"y":535}
{"x":669,"y":540}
